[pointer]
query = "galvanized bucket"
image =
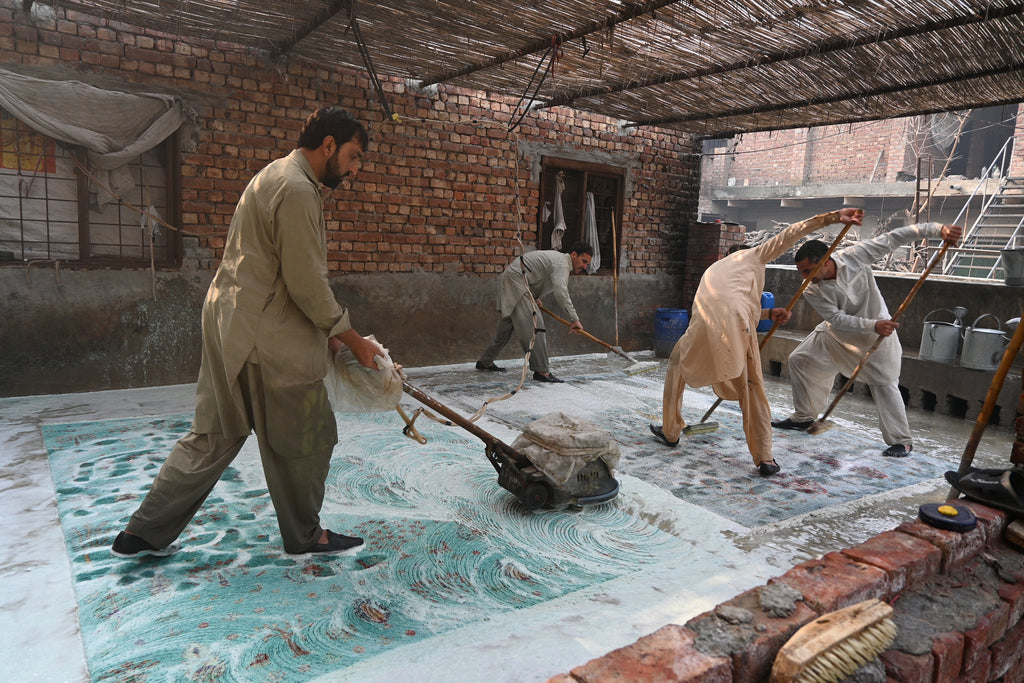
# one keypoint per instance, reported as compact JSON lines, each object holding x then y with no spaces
{"x":940,"y":340}
{"x":983,"y":347}
{"x":1013,"y":267}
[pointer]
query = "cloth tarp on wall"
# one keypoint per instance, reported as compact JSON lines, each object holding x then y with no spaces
{"x":115,"y":127}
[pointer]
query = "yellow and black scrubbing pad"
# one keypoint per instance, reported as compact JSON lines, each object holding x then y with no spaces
{"x":835,"y":645}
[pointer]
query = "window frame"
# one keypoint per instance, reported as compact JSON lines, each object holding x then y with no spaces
{"x":168,"y":159}
{"x":550,"y":166}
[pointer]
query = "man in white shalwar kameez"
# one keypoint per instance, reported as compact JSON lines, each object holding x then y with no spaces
{"x":720,"y":347}
{"x":845,"y":294}
{"x":546,"y":273}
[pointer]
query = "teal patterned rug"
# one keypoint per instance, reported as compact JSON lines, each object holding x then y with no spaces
{"x":713,"y":470}
{"x":445,"y":547}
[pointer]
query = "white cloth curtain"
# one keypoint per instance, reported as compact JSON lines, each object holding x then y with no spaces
{"x":590,"y":233}
{"x":559,"y":229}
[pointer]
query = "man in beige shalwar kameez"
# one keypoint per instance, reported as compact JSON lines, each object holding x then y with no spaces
{"x":269,"y":320}
{"x":547,"y":273}
{"x":720,"y":347}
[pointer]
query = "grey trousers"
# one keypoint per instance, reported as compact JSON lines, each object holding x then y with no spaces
{"x":197,"y":461}
{"x":520,"y":322}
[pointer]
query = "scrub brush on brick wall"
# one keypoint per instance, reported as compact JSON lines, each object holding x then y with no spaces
{"x":835,"y":645}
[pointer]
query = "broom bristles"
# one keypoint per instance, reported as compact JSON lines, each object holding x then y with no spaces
{"x":700,"y":428}
{"x":820,"y":427}
{"x":834,"y":646}
{"x":845,"y":658}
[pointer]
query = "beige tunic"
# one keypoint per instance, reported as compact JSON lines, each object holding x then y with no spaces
{"x":722,"y":333}
{"x":269,"y":301}
{"x":547,"y":272}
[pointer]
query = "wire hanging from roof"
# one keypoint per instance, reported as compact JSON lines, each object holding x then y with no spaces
{"x":368,"y":63}
{"x":552,"y":51}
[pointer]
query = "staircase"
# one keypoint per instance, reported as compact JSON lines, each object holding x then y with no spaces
{"x":998,"y":227}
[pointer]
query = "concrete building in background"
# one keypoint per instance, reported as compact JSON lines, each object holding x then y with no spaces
{"x":759,"y":179}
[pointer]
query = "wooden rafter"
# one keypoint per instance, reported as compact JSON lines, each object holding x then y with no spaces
{"x":820,"y":101}
{"x":631,"y":11}
{"x":321,"y":18}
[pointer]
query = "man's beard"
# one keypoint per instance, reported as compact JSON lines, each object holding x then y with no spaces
{"x":332,"y":176}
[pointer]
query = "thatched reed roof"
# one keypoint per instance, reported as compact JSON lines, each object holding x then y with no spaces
{"x":707,"y":67}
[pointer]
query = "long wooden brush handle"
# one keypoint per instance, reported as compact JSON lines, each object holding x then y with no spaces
{"x":807,"y":281}
{"x":615,"y":277}
{"x":586,"y":334}
{"x":990,"y":401}
{"x":881,"y":338}
{"x":792,"y":302}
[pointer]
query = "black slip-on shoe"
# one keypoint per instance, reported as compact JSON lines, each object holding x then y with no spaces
{"x":791,"y":424}
{"x":656,"y":430}
{"x":547,"y":378}
{"x":767,"y":469}
{"x":896,"y":450}
{"x":490,"y":367}
{"x":128,"y":546}
{"x":1001,"y":490}
{"x":336,"y":543}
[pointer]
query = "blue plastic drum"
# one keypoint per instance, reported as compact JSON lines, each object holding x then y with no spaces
{"x":669,"y":326}
{"x":767,"y":301}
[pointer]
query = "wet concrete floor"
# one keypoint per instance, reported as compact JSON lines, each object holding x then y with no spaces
{"x":38,"y":608}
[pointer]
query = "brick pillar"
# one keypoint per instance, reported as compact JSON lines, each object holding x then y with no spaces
{"x":705,"y":244}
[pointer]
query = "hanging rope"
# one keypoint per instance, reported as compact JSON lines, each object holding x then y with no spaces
{"x":410,"y":430}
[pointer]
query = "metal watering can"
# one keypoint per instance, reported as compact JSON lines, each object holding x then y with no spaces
{"x":941,"y":340}
{"x":983,"y":347}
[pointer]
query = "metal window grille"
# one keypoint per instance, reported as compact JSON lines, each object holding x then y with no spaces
{"x":51,"y":209}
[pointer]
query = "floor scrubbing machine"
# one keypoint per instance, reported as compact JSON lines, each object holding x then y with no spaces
{"x":591,"y":485}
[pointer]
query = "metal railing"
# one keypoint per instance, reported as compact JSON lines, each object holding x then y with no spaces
{"x":966,"y":251}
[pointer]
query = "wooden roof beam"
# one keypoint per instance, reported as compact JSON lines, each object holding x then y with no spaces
{"x":630,"y":11}
{"x":818,"y":101}
{"x":824,"y":47}
{"x":321,"y":18}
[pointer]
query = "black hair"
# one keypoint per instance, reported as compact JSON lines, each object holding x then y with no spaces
{"x":335,"y":122}
{"x":812,"y":250}
{"x":581,"y":248}
{"x":737,"y":247}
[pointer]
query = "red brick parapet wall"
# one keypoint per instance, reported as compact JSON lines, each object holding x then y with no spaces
{"x":958,"y":601}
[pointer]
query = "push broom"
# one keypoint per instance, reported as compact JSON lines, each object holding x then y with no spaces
{"x":636,"y":367}
{"x":823,"y":424}
{"x":703,"y":427}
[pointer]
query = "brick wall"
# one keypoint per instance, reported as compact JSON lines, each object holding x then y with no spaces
{"x":1016,"y":169}
{"x":958,"y":601}
{"x":706,"y":243}
{"x":826,"y":154}
{"x":436,"y":192}
{"x":415,"y":242}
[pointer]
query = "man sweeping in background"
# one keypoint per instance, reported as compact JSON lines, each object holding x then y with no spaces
{"x":525,"y":282}
{"x":719,"y":348}
{"x":845,"y":294}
